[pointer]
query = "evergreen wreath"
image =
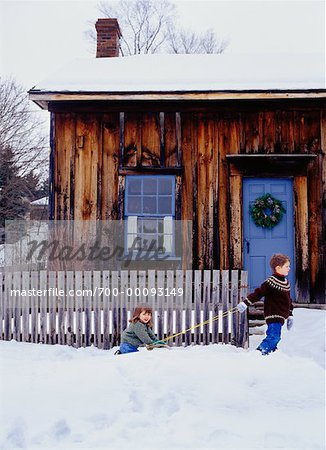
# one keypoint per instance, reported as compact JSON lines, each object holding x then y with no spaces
{"x":266,"y":211}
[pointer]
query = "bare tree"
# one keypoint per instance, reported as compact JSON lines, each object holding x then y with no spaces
{"x":21,"y":129}
{"x":23,"y":152}
{"x":187,"y":41}
{"x":150,"y":26}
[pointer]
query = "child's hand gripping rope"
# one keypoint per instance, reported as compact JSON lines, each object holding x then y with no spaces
{"x":241,"y":307}
{"x":157,"y":344}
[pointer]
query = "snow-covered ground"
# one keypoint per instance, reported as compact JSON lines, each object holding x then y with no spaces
{"x":213,"y":397}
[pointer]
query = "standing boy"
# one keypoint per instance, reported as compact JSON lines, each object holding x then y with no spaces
{"x":277,"y":305}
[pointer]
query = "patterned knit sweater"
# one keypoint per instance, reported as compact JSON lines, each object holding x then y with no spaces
{"x":278,"y":304}
{"x":138,"y":333}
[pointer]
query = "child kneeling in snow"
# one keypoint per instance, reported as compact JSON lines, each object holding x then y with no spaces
{"x":277,"y":305}
{"x":139,"y":332}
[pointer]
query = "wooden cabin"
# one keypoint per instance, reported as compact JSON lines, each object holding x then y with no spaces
{"x":199,"y":138}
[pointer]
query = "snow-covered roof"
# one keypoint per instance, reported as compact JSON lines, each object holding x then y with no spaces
{"x":162,"y":73}
{"x":181,"y":76}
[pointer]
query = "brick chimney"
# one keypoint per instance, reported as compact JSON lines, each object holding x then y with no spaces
{"x":108,"y":35}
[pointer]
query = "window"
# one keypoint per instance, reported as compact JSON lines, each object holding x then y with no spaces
{"x":150,"y":212}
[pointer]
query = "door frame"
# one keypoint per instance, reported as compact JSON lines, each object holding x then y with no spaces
{"x":247,"y":219}
{"x":290,"y":167}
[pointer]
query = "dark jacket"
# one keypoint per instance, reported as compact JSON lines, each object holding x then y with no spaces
{"x":138,"y":333}
{"x":278,"y":304}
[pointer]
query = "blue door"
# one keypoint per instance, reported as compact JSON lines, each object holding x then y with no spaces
{"x":260,"y":243}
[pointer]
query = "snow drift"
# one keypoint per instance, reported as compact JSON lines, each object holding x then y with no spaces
{"x":200,"y":397}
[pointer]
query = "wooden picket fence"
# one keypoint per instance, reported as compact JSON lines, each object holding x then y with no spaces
{"x":92,"y":308}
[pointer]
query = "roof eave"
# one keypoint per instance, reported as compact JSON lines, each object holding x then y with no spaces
{"x":42,"y":98}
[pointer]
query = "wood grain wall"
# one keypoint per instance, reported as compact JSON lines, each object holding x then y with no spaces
{"x":93,"y":151}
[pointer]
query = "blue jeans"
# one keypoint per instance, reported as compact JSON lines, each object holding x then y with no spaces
{"x":127,"y":348}
{"x":273,"y":337}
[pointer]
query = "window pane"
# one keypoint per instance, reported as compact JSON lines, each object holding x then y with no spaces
{"x":165,"y":186}
{"x":150,"y":241}
{"x":133,"y":241}
{"x":132,"y":224}
{"x":149,"y":205}
{"x":149,"y":226}
{"x":160,"y":226}
{"x":167,"y":245}
{"x":149,"y":185}
{"x":165,"y":205}
{"x":134,"y":204}
{"x":134,"y":186}
{"x":160,"y":240}
{"x":168,"y":230}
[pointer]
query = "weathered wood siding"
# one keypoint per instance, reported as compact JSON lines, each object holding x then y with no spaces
{"x":96,"y":146}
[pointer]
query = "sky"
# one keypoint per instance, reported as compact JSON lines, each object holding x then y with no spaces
{"x":38,"y":37}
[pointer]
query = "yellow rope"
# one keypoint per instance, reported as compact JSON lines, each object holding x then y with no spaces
{"x":205,"y":322}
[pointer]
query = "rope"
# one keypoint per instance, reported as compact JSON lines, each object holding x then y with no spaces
{"x":205,"y":322}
